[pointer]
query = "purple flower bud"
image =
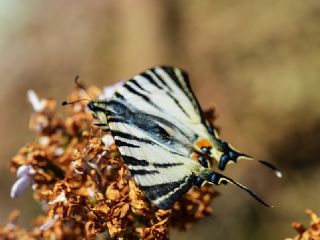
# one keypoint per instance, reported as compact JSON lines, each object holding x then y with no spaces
{"x":108,"y":91}
{"x":49,"y":224}
{"x":24,"y":179}
{"x":20,"y":186}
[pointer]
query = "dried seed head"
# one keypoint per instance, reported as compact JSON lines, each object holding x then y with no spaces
{"x":77,"y":174}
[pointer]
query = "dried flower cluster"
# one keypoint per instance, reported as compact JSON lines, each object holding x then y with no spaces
{"x":84,"y":187}
{"x":310,"y":233}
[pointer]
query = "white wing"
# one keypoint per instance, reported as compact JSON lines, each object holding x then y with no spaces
{"x":165,"y":93}
{"x":162,"y":175}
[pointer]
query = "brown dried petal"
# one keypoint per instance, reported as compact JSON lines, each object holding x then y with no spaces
{"x":310,"y":233}
{"x":112,"y":193}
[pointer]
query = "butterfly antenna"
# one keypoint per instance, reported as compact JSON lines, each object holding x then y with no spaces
{"x":81,"y":86}
{"x":67,"y":103}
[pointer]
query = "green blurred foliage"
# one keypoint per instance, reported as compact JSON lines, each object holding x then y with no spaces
{"x":257,"y":62}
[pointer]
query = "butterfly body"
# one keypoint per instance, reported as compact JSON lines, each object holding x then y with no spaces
{"x":162,"y":135}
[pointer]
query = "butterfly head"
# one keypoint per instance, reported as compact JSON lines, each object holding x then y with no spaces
{"x":97,"y":106}
{"x":99,"y":110}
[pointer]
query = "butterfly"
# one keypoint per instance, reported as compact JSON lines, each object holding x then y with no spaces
{"x":164,"y":138}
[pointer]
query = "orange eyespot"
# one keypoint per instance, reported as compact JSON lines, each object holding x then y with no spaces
{"x":195,"y":156}
{"x":202,"y":142}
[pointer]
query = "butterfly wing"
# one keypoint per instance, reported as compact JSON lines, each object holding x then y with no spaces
{"x":161,"y":173}
{"x":156,"y":120}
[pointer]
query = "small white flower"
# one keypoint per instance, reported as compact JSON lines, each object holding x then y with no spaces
{"x":93,"y":165}
{"x":10,"y":225}
{"x":107,"y":140}
{"x":74,"y":165}
{"x":60,"y":198}
{"x":37,"y":104}
{"x":108,"y":91}
{"x":42,"y":123}
{"x":49,"y":224}
{"x":100,"y":156}
{"x":44,"y":140}
{"x":90,"y":192}
{"x":77,"y":107}
{"x":25,"y":170}
{"x":44,"y":205}
{"x":19,"y":187}
{"x":110,"y":168}
{"x":24,"y":180}
{"x":59,"y":151}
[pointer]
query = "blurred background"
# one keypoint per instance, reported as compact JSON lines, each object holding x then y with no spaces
{"x":256,"y":62}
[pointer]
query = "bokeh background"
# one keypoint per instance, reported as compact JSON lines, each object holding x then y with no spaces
{"x":256,"y":62}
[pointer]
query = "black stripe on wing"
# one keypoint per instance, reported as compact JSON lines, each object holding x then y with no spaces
{"x":166,"y":165}
{"x":120,"y":96}
{"x":186,"y":88}
{"x":151,"y":80}
{"x":142,"y":172}
{"x":156,"y":129}
{"x":178,"y":104}
{"x":170,"y":192}
{"x":160,"y":79}
{"x":134,"y":82}
{"x":123,"y":135}
{"x":120,"y":143}
{"x":149,"y":75}
{"x":143,"y":96}
{"x":129,"y":160}
{"x":173,"y":76}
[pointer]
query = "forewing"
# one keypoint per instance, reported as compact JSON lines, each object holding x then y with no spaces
{"x":165,"y":92}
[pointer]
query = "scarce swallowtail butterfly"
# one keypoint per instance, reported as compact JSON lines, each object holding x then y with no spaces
{"x":163,"y":136}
